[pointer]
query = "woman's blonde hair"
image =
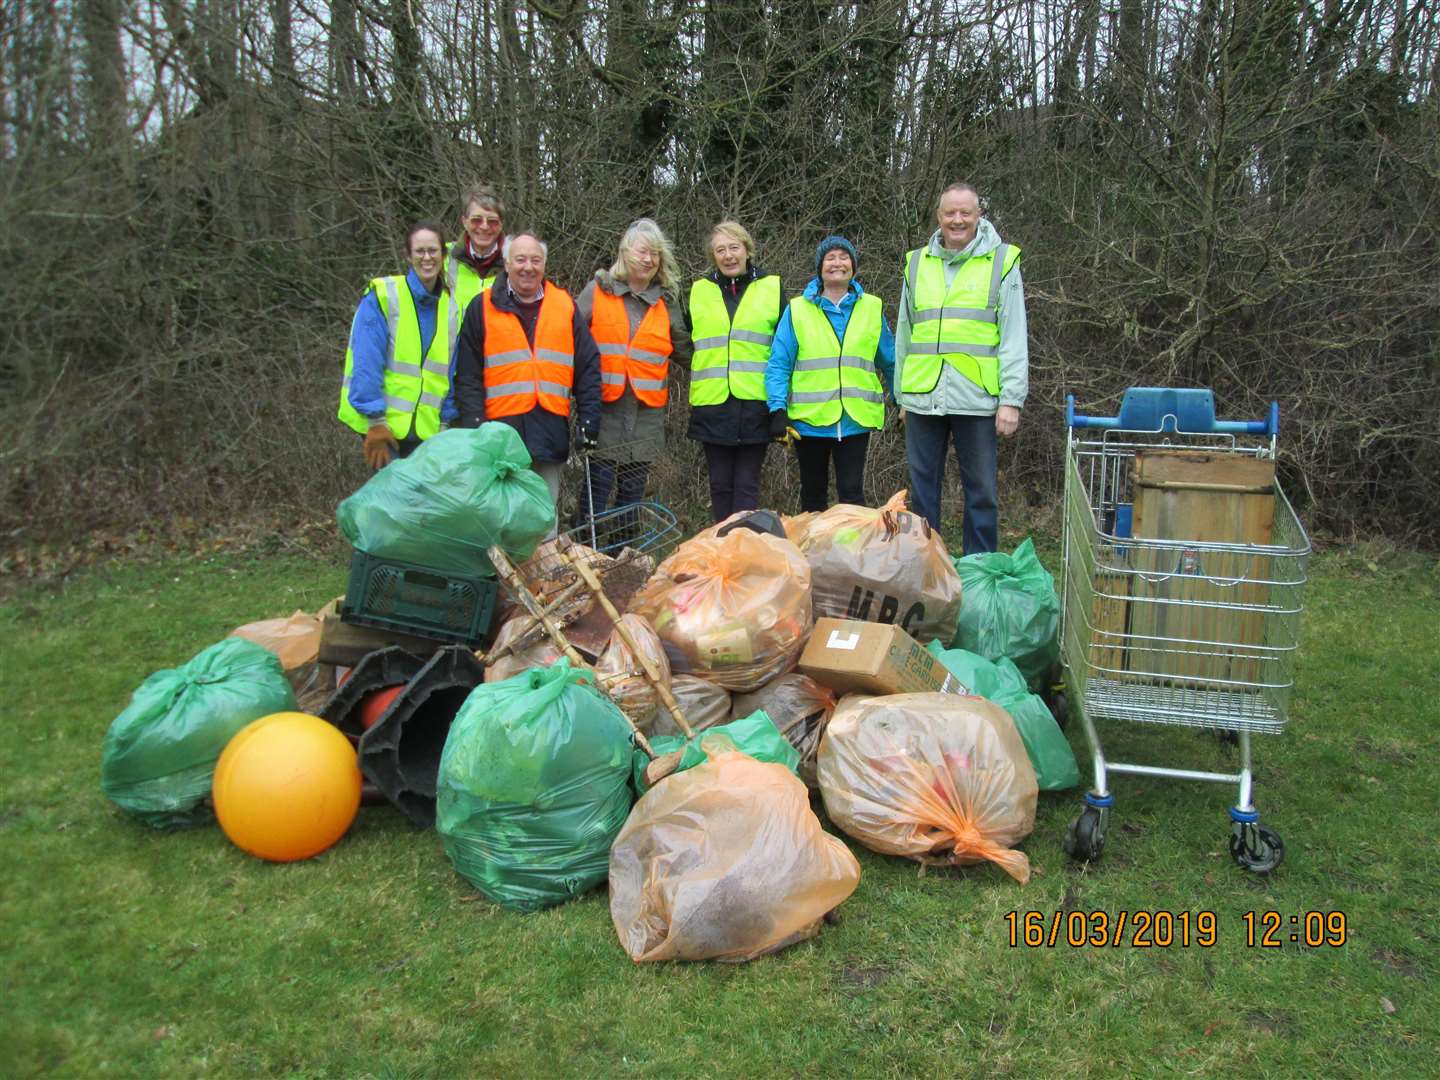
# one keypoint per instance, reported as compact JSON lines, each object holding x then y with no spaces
{"x":735,"y":231}
{"x":645,"y":231}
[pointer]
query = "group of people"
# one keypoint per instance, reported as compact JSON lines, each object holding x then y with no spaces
{"x":478,"y":333}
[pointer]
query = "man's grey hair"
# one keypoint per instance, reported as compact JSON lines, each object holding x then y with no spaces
{"x":510,"y":240}
{"x":959,"y":187}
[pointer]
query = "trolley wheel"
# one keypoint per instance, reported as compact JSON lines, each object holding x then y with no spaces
{"x":1256,"y":848}
{"x":1085,"y":839}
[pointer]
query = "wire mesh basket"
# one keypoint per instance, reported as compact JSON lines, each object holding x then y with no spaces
{"x":621,"y":545}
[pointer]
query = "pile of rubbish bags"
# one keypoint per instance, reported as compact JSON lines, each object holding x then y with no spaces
{"x":541,"y":791}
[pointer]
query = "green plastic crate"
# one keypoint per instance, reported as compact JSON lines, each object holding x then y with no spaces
{"x":416,"y":600}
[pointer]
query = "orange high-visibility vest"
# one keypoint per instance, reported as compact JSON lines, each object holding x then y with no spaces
{"x":643,"y":359}
{"x":517,"y":376}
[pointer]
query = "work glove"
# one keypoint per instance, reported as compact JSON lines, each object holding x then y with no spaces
{"x":588,"y":437}
{"x":380,"y":446}
{"x":780,"y":429}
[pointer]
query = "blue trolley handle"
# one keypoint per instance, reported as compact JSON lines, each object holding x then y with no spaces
{"x":1269,"y":426}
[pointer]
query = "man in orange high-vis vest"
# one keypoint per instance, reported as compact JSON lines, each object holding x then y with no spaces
{"x":526,"y":358}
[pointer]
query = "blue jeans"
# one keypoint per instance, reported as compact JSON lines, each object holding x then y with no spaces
{"x":927,"y":444}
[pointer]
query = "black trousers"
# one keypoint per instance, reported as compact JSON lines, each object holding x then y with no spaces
{"x":734,"y":477}
{"x":815,"y":453}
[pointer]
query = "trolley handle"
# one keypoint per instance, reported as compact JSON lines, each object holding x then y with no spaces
{"x":1268,"y":426}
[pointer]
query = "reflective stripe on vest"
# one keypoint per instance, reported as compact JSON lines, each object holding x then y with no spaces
{"x":830,"y":375}
{"x":730,"y":358}
{"x":644,"y":359}
{"x":958,"y":325}
{"x":414,"y":387}
{"x":465,"y":283}
{"x":518,"y":376}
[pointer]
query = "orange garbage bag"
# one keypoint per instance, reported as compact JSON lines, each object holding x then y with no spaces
{"x":296,"y":641}
{"x":883,"y":565}
{"x":796,"y":526}
{"x":540,"y":653}
{"x":800,"y":708}
{"x":725,"y":861}
{"x":935,"y":777}
{"x":621,"y":675}
{"x":703,"y":703}
{"x":734,"y":609}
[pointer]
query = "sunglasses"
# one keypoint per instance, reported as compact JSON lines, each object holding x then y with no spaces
{"x":478,"y":221}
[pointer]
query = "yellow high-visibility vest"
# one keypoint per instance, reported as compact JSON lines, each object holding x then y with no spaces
{"x":829,"y":375}
{"x":465,"y":282}
{"x":958,"y":325}
{"x":415,"y":386}
{"x":730,"y":358}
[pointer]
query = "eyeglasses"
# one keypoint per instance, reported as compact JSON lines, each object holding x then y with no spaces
{"x":480,"y":220}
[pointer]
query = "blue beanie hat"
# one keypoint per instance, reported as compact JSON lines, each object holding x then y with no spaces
{"x":831,"y":243}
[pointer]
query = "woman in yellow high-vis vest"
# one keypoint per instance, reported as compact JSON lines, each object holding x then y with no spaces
{"x":831,"y":371}
{"x":475,"y":260}
{"x":732,"y":315}
{"x":396,"y":391}
{"x":634,"y":313}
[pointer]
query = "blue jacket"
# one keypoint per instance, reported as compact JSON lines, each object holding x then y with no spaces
{"x":782,"y":359}
{"x":370,"y":340}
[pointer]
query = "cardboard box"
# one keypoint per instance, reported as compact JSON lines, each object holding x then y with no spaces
{"x":847,"y":655}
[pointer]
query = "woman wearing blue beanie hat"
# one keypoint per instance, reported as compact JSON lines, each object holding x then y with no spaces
{"x":831,"y":371}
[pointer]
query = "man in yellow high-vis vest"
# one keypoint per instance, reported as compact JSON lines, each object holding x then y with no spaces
{"x":961,"y":360}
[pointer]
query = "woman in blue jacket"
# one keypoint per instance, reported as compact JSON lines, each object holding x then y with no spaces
{"x":831,"y":370}
{"x":399,"y":368}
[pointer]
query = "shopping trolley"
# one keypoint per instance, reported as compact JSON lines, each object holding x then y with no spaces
{"x":1184,"y":630}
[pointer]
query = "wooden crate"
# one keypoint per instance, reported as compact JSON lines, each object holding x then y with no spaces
{"x":1208,"y":498}
{"x":1109,"y":619}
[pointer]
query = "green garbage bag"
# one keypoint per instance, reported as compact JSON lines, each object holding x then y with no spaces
{"x":534,"y":785}
{"x":160,"y":753}
{"x":1010,"y":609}
{"x":756,"y":736}
{"x":1000,"y":681}
{"x":461,"y":491}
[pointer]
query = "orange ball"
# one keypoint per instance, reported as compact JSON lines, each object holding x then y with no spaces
{"x":374,"y":704}
{"x":287,"y":787}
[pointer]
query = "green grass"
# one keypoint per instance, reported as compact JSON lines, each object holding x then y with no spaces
{"x":138,"y":953}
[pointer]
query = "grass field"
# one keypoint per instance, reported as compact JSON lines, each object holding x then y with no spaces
{"x":137,"y":953}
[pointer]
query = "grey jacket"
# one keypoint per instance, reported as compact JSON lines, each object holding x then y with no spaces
{"x":954,"y":393}
{"x":631,"y":431}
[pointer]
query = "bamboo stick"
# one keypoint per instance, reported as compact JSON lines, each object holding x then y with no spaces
{"x":511,"y":577}
{"x":652,"y":674}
